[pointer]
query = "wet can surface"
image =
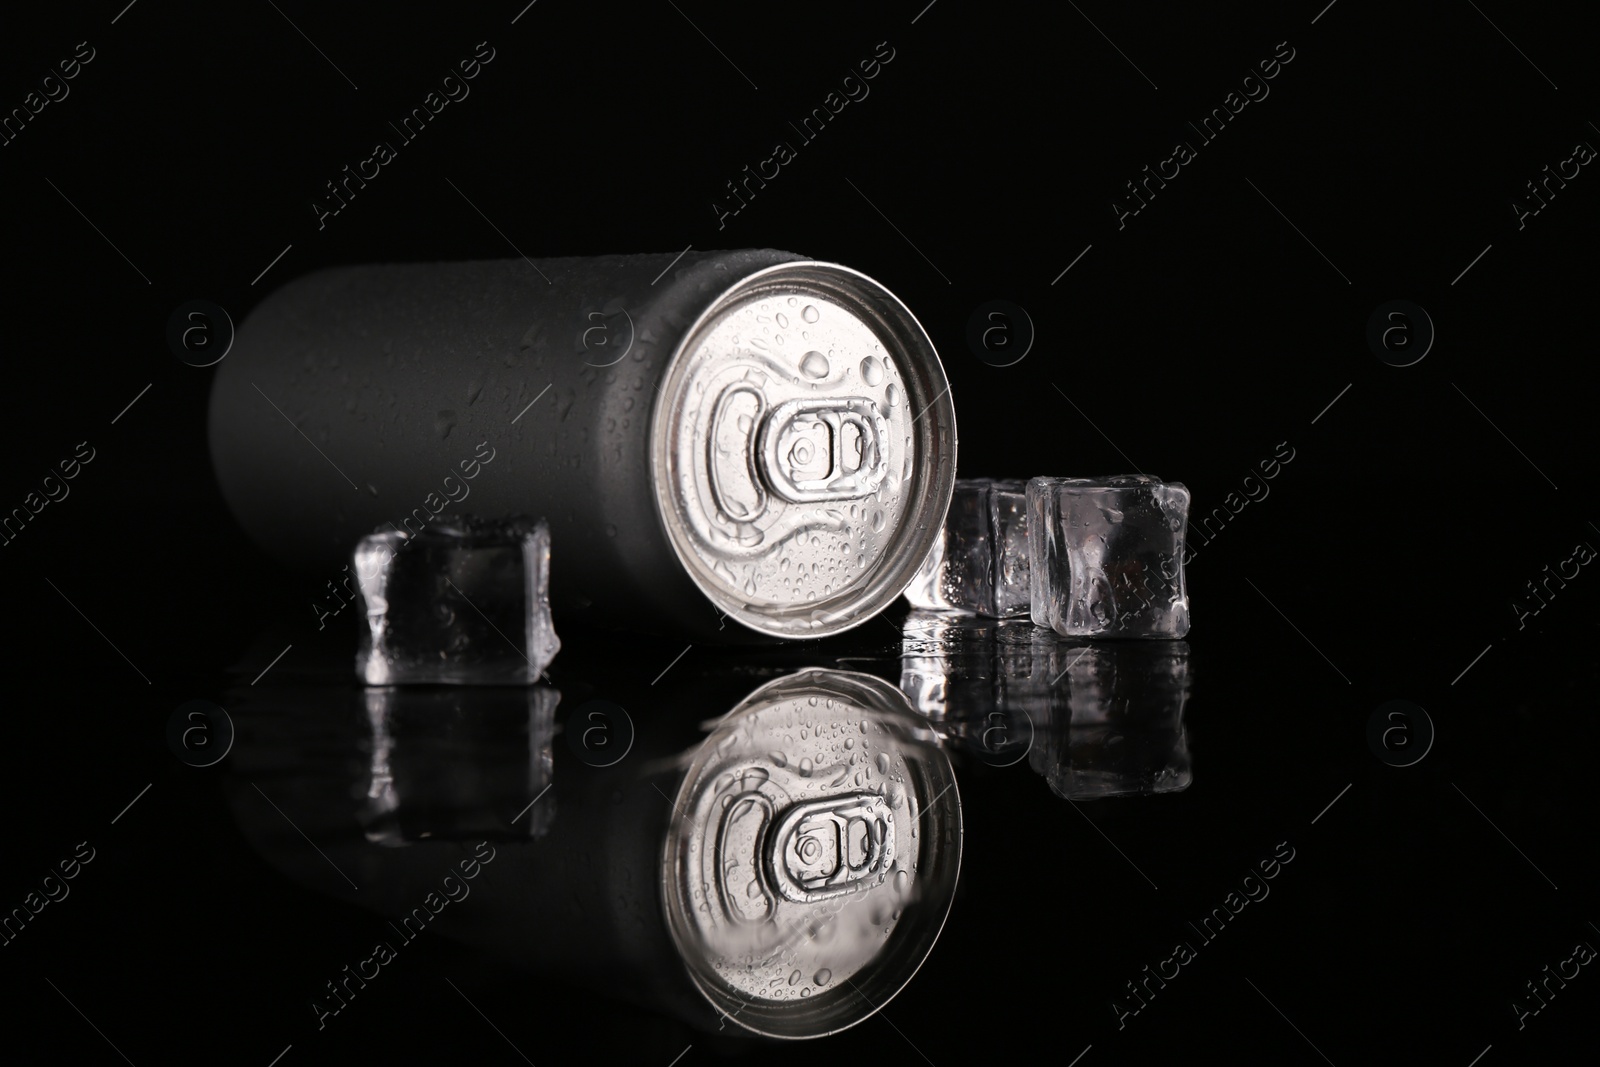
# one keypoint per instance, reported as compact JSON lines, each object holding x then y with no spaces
{"x":813,"y":854}
{"x":747,"y":436}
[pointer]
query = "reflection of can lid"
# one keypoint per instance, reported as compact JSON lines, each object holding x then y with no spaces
{"x":813,"y":855}
{"x":803,"y":449}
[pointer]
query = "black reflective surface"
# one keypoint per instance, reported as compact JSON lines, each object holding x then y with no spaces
{"x":1231,"y":851}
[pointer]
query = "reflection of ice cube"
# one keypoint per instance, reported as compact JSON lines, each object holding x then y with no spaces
{"x":979,"y":563}
{"x":1095,"y":719}
{"x":458,"y":764}
{"x":954,"y":667}
{"x":464,"y":602}
{"x":979,"y":679}
{"x":1124,"y":734}
{"x":1106,"y":556}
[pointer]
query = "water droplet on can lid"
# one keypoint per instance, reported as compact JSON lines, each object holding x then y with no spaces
{"x":814,"y":365}
{"x":746,"y":440}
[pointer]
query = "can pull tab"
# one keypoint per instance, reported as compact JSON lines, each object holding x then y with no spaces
{"x":814,"y":450}
{"x":827,"y":848}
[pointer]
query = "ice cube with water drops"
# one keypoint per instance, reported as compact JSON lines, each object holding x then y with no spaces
{"x":1106,"y":556}
{"x":464,"y":601}
{"x":979,"y":564}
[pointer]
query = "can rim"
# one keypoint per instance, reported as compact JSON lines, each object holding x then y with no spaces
{"x":928,"y":393}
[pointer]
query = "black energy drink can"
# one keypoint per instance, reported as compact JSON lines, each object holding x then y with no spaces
{"x":746,"y":435}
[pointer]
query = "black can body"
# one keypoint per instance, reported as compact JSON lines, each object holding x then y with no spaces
{"x":386,"y":396}
{"x":414,"y":381}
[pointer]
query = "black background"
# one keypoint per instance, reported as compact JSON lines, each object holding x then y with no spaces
{"x":1207,"y":331}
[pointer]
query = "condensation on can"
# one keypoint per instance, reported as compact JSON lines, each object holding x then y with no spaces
{"x":813,"y":854}
{"x":803,"y":449}
{"x":724,"y":443}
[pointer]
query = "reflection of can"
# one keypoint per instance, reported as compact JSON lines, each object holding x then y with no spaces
{"x":814,"y":850}
{"x":866,"y":816}
{"x":773,"y":432}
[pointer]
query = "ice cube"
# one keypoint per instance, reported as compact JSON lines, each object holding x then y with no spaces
{"x":464,"y":602}
{"x":1106,"y":556}
{"x":979,"y":564}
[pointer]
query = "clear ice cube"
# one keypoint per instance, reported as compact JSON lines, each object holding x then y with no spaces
{"x":1106,"y":556}
{"x":979,"y":564}
{"x":464,"y":602}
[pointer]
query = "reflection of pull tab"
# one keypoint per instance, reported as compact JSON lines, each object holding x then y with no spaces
{"x":816,"y":450}
{"x":738,"y":858}
{"x":827,"y":848}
